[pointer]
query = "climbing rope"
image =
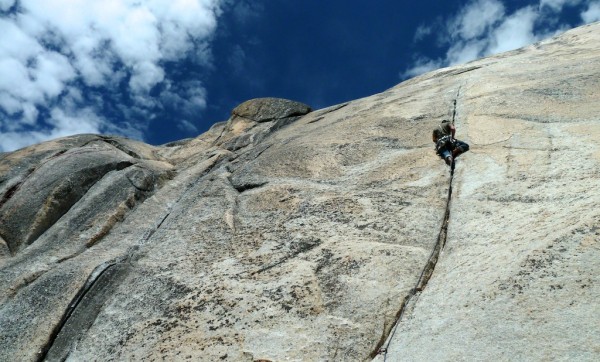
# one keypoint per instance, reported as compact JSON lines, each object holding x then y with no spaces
{"x":423,"y":278}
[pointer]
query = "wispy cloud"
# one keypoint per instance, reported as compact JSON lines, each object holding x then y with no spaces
{"x":557,"y":5}
{"x":485,"y":27}
{"x":476,"y":19}
{"x":515,"y":31}
{"x":422,"y":31}
{"x":109,"y":47}
{"x":592,"y":13}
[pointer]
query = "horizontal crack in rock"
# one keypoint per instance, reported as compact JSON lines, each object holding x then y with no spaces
{"x":302,"y":247}
{"x":249,"y":186}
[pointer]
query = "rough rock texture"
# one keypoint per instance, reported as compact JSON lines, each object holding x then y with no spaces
{"x":519,"y":278}
{"x":307,"y":236}
{"x":268,"y":109}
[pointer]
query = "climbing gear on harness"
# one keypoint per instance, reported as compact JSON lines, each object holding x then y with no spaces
{"x":444,"y":143}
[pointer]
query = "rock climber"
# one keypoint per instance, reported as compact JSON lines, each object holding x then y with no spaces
{"x":447,"y":128}
{"x":446,"y":146}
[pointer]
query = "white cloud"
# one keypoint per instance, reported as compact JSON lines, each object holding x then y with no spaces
{"x":474,"y":19}
{"x":592,"y":13}
{"x":10,"y":104}
{"x":464,"y":51}
{"x":145,"y":75}
{"x":14,"y":140}
{"x":483,"y":27}
{"x":65,"y":120}
{"x":188,"y":97}
{"x":422,"y":65}
{"x":56,"y":44}
{"x":30,"y":114}
{"x":84,"y":121}
{"x":5,"y":5}
{"x":515,"y":31}
{"x":63,"y":124}
{"x":21,"y":46}
{"x":187,"y":127}
{"x":95,"y":67}
{"x":50,"y":73}
{"x":14,"y":76}
{"x":422,"y":32}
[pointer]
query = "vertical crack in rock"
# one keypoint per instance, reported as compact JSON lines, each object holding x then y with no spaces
{"x":439,"y":245}
{"x":87,"y":303}
{"x":83,"y":309}
{"x":454,"y":105}
{"x":262,"y":151}
{"x":216,"y":141}
{"x":427,"y":272}
{"x":75,"y":321}
{"x":148,"y":234}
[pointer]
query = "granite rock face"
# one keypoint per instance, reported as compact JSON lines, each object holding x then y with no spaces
{"x":519,"y":277}
{"x":336,"y":234}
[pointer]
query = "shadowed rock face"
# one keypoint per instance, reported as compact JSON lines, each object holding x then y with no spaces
{"x":51,"y":190}
{"x":285,"y":234}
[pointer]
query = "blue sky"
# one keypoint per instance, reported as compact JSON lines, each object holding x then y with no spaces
{"x":160,"y":70}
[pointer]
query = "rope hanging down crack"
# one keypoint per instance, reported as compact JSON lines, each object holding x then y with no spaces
{"x":427,"y":271}
{"x":429,"y":268}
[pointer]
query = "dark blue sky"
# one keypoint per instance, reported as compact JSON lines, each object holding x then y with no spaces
{"x":318,"y":52}
{"x":163,"y":71}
